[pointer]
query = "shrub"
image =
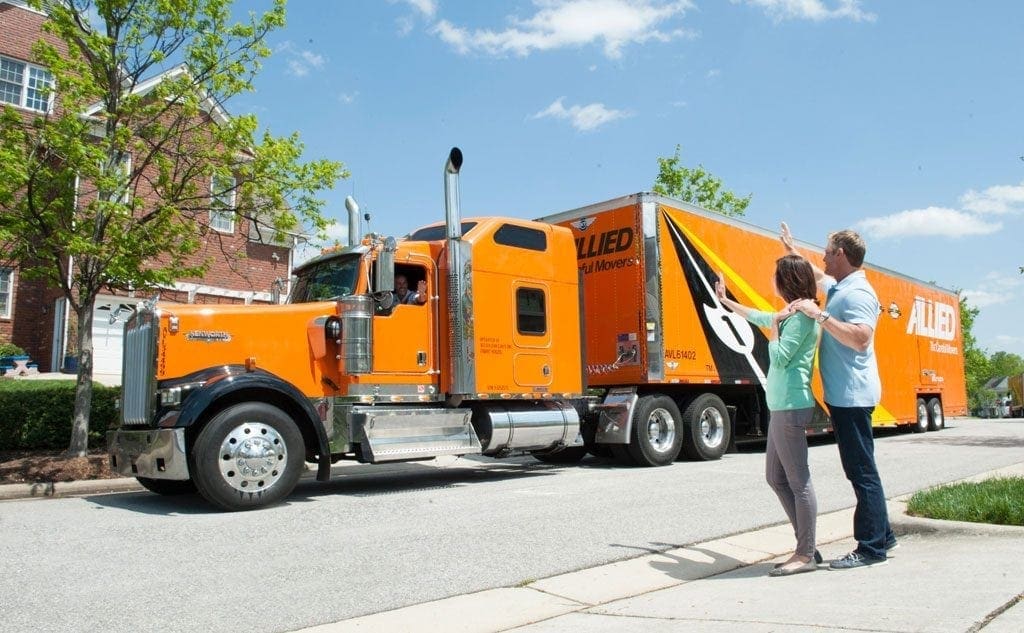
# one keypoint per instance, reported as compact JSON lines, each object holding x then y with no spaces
{"x":37,"y":414}
{"x":10,"y":349}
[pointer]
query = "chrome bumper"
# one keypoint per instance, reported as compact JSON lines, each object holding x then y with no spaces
{"x":153,"y":453}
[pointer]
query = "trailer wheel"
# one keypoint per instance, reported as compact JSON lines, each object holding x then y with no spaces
{"x":168,"y":487}
{"x":708,"y":429}
{"x":250,"y":455}
{"x":921,"y":424}
{"x":589,"y":432}
{"x":655,"y":438}
{"x":936,"y":420}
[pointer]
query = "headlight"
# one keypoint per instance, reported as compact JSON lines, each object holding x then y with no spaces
{"x":170,"y":397}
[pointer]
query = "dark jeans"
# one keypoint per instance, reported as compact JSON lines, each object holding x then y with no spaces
{"x":856,"y":443}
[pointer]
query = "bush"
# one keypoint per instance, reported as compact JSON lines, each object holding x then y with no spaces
{"x":37,"y":414}
{"x":10,"y":349}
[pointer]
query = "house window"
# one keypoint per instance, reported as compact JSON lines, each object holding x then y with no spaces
{"x":531,"y":317}
{"x":6,"y":276}
{"x":222,"y":204}
{"x":25,"y":85}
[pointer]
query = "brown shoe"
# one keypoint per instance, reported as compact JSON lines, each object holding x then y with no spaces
{"x":794,"y":568}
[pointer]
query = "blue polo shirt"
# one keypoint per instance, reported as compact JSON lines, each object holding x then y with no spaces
{"x":850,"y":377}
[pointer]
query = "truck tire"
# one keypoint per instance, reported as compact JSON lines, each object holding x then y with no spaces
{"x":921,"y":424}
{"x":707,"y":428}
{"x":248,"y":456}
{"x":656,"y":435}
{"x":936,"y":419}
{"x":168,"y":487}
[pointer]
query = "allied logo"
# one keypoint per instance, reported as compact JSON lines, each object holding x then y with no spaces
{"x":583,"y":223}
{"x":933,"y":319}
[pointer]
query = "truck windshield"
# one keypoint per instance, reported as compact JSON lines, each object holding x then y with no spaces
{"x":327,"y":280}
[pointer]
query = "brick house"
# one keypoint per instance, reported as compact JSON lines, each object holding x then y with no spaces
{"x":36,"y":317}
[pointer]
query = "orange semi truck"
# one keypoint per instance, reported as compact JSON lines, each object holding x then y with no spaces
{"x":592,"y":330}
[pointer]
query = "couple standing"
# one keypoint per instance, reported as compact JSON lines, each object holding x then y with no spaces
{"x":849,"y":373}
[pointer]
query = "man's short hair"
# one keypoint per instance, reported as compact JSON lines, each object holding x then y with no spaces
{"x":852,"y":244}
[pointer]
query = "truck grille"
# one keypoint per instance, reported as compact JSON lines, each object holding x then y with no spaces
{"x":138,"y":369}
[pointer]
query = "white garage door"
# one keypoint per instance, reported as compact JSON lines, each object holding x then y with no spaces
{"x":107,"y":337}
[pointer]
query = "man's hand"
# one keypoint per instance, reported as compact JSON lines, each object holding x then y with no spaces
{"x":806,"y":306}
{"x":787,"y":239}
{"x":421,"y":287}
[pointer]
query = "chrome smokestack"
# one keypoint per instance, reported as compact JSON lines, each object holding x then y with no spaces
{"x":354,"y":230}
{"x":460,"y":343}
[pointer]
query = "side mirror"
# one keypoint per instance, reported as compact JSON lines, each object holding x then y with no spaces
{"x":384,"y":274}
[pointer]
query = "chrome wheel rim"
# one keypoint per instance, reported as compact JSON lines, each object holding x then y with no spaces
{"x":252,"y":457}
{"x":940,"y":420}
{"x":661,"y":430}
{"x":922,"y":416}
{"x":712,"y":427}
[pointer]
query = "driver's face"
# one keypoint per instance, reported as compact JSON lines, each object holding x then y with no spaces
{"x":401,"y":285}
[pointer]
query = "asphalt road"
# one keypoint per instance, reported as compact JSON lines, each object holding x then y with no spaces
{"x":381,"y":537}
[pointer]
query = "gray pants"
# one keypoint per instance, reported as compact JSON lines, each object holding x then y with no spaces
{"x":787,"y":473}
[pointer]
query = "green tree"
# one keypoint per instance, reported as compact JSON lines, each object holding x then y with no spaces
{"x":1005,"y":364}
{"x":696,"y":186}
{"x":68,"y":210}
{"x":976,"y":363}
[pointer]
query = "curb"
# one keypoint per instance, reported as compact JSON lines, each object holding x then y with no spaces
{"x":68,"y":488}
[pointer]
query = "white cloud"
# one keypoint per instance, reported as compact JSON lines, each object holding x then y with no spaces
{"x":714,"y":72}
{"x":426,"y":8}
{"x":814,"y":10}
{"x":347,"y":97}
{"x":567,"y":23}
{"x":996,"y":288}
{"x":583,"y":118}
{"x":300,"y":61}
{"x":932,"y":221}
{"x":337,"y":234}
{"x":999,"y":199}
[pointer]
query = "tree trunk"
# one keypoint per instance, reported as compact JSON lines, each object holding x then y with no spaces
{"x":79,"y":446}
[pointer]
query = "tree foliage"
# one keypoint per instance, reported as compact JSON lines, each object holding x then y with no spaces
{"x":976,"y":363}
{"x":697,"y":186}
{"x":112,"y":189}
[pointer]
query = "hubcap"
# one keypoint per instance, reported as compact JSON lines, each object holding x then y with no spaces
{"x":937,"y":416}
{"x":922,"y":415}
{"x":661,"y":430}
{"x":252,"y":457}
{"x":712,"y":427}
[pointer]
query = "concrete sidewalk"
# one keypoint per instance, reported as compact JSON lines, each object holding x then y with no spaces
{"x":945,"y":576}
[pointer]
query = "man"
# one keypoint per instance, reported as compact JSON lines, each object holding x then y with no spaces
{"x":849,"y":373}
{"x":404,"y":295}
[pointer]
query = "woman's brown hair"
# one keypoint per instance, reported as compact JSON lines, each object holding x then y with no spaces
{"x":794,"y":277}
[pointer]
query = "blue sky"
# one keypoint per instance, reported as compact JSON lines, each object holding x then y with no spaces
{"x":901,"y":119}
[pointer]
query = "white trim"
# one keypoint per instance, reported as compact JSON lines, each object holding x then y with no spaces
{"x":193,"y":289}
{"x":22,"y":4}
{"x":216,"y":112}
{"x":7,"y":311}
{"x":26,"y":79}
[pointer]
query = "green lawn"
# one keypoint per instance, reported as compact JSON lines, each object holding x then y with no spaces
{"x":999,"y":501}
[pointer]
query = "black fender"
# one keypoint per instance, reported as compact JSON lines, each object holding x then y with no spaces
{"x":216,"y":383}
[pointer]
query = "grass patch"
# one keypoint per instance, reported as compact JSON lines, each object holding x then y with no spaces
{"x":999,"y":500}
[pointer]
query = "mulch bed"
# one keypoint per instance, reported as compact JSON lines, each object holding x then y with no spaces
{"x":52,"y":466}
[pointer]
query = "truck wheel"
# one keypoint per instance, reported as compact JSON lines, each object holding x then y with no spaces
{"x":655,"y":438}
{"x":707,"y":428}
{"x":569,"y":455}
{"x":921,"y":424}
{"x":936,"y":420}
{"x":168,"y":487}
{"x":249,"y":455}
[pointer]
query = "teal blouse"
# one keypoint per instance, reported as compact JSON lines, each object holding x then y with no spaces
{"x":791,"y":358}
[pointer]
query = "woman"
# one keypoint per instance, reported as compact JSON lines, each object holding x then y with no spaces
{"x":794,"y":337}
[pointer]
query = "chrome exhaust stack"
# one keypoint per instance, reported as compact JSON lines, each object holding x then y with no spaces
{"x":460,"y":336}
{"x":354,"y":228}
